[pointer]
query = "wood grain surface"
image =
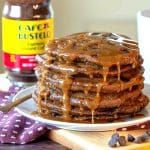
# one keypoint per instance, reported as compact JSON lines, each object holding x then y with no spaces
{"x":94,"y":140}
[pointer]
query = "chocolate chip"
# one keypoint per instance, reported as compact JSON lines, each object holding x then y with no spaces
{"x":138,"y":140}
{"x":131,"y":138}
{"x":142,"y":138}
{"x":146,"y":135}
{"x":148,"y":132}
{"x":122,"y":141}
{"x":112,"y":142}
{"x":115,"y":136}
{"x":124,"y":51}
{"x":94,"y":33}
{"x":114,"y":139}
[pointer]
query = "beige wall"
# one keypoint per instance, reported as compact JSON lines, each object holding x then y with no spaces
{"x":96,"y":15}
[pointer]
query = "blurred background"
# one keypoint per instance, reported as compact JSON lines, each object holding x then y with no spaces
{"x":95,"y":15}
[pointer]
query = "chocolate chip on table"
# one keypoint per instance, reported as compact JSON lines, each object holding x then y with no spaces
{"x":148,"y":132}
{"x":114,"y":139}
{"x":113,"y":142}
{"x":131,"y":138}
{"x":122,"y":141}
{"x":115,"y":136}
{"x":138,"y":140}
{"x":142,"y":138}
{"x":146,"y":135}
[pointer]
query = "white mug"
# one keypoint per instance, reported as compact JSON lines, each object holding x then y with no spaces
{"x":143,"y":30}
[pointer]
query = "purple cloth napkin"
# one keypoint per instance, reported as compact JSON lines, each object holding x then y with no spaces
{"x":15,"y":128}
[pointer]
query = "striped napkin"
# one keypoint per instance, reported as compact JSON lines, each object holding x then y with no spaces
{"x":15,"y":128}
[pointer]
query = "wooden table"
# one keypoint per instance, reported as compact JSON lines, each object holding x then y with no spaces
{"x":95,"y":140}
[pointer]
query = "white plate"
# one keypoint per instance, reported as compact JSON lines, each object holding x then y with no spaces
{"x":29,"y":106}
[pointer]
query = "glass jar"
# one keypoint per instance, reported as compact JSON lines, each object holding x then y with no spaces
{"x":27,"y":25}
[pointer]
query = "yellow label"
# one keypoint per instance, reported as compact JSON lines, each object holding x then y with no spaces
{"x":26,"y":37}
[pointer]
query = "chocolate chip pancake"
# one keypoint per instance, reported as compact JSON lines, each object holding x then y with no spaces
{"x":90,"y":77}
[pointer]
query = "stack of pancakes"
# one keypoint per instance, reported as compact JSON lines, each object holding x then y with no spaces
{"x":90,"y":77}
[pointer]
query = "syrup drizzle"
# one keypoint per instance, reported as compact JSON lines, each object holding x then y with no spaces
{"x":104,"y":49}
{"x":66,"y":98}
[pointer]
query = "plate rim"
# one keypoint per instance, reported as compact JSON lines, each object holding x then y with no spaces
{"x":114,"y":125}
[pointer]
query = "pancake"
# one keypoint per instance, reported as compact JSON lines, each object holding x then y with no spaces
{"x":90,"y":77}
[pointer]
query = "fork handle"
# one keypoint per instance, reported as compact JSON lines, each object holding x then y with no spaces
{"x":15,"y":103}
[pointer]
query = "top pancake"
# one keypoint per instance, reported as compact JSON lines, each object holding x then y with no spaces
{"x":105,"y":49}
{"x":91,"y":54}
